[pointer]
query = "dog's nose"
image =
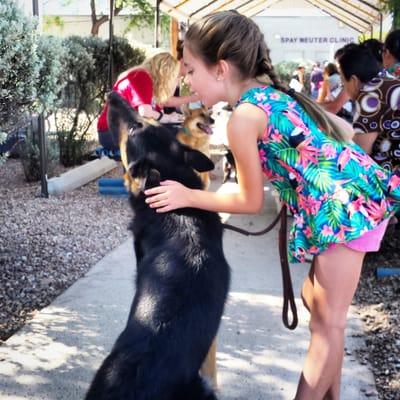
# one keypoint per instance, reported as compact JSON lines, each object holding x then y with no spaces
{"x":212,"y":120}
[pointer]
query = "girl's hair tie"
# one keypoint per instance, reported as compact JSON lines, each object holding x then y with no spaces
{"x":291,"y":92}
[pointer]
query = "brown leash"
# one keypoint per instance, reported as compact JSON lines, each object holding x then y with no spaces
{"x":288,"y":296}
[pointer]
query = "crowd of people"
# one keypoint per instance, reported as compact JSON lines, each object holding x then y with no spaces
{"x":361,"y":86}
{"x":340,"y":179}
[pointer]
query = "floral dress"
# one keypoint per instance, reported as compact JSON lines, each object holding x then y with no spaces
{"x":335,"y":191}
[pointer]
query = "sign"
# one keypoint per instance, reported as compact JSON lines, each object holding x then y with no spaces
{"x":316,"y":39}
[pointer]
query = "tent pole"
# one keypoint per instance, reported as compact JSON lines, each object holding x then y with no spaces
{"x":41,"y":133}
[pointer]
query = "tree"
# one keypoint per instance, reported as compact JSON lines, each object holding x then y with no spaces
{"x":142,"y":14}
{"x":97,"y":22}
{"x":392,"y":6}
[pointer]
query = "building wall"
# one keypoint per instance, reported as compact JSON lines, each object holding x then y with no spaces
{"x":288,"y":39}
{"x":81,"y":25}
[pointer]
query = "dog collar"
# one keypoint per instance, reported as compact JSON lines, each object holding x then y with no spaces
{"x":186,"y":131}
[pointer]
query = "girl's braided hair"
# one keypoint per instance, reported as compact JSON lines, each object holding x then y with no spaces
{"x":230,"y":36}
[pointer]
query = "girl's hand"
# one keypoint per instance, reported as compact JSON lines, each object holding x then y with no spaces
{"x":169,"y":196}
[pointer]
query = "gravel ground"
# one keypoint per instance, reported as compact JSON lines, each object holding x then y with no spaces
{"x":47,"y":244}
{"x":378,"y":302}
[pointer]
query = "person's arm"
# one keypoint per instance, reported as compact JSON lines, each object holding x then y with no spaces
{"x":335,"y":105}
{"x":146,"y":111}
{"x":323,"y":91}
{"x":177,"y":101}
{"x":244,"y":128}
{"x":365,"y":140}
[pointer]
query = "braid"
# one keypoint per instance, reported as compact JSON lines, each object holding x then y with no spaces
{"x":265,"y":68}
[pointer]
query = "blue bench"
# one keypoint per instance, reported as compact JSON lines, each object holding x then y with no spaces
{"x":111,"y":186}
{"x":113,"y":154}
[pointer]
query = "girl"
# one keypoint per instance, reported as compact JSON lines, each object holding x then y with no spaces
{"x":335,"y":191}
{"x":146,"y":87}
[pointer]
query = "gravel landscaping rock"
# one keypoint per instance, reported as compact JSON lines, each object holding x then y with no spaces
{"x":47,"y":244}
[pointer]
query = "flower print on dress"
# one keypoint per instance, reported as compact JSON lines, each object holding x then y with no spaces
{"x":276,"y":136}
{"x":308,"y":153}
{"x":266,"y":107}
{"x":325,"y":183}
{"x":349,"y":154}
{"x":328,"y":150}
{"x":263,"y":155}
{"x":260,"y":96}
{"x":394,"y":181}
{"x":327,"y":231}
{"x":274,"y":96}
{"x":376,"y":210}
{"x":295,"y":118}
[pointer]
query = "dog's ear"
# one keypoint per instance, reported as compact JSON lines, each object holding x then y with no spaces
{"x":153,"y":178}
{"x":141,"y":176}
{"x":197,"y":160}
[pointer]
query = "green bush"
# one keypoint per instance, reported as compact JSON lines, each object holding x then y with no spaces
{"x":19,"y":65}
{"x":86,"y":74}
{"x":3,"y":138}
{"x":29,"y":152}
{"x":285,"y":70}
{"x":51,"y":53}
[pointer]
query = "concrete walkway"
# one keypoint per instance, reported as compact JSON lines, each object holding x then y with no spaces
{"x":56,"y":354}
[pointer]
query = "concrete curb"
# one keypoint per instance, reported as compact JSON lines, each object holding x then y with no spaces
{"x":80,"y":176}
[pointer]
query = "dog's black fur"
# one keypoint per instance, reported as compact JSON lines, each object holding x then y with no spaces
{"x":229,"y":166}
{"x":182,"y":278}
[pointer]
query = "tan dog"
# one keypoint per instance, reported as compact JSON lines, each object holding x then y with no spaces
{"x":196,"y":134}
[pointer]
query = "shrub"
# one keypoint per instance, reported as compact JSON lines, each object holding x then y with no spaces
{"x":19,"y":65}
{"x":51,"y":53}
{"x":3,"y":138}
{"x":86,"y":74}
{"x":29,"y":152}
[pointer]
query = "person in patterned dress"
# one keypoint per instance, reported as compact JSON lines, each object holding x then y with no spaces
{"x":391,"y":53}
{"x":340,"y":198}
{"x":377,"y":98}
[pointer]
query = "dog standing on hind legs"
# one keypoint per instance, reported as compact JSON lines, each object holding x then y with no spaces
{"x":182,"y":276}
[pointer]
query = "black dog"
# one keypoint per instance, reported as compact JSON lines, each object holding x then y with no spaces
{"x":182,"y":276}
{"x":229,"y":166}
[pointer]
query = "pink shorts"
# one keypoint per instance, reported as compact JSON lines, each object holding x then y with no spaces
{"x":369,"y":241}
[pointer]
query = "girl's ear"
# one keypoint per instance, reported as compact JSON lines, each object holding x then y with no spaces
{"x":222,"y":70}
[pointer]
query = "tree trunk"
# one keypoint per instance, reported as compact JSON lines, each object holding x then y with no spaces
{"x":97,"y":22}
{"x":174,"y":35}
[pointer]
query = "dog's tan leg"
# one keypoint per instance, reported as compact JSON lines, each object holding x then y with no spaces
{"x":205,"y":178}
{"x":209,"y":368}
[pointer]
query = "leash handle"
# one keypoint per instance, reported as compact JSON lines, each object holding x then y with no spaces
{"x":288,"y":296}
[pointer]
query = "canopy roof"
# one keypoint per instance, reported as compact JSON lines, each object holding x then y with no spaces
{"x":360,"y":15}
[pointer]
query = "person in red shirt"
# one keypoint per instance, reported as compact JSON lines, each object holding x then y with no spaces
{"x":146,"y":87}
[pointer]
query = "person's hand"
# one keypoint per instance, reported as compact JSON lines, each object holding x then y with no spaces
{"x":169,"y":196}
{"x":173,"y":118}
